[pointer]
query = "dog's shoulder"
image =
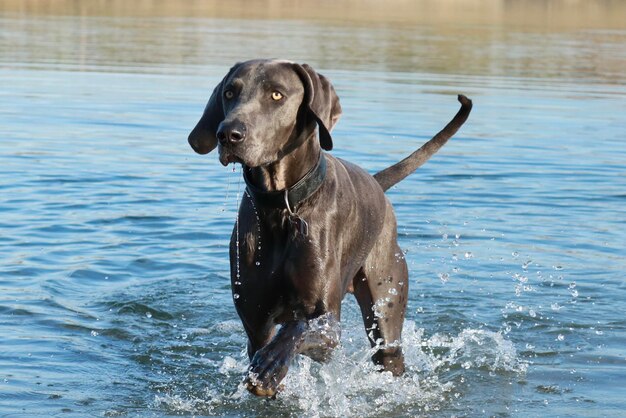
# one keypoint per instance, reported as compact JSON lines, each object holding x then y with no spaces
{"x":348,"y":172}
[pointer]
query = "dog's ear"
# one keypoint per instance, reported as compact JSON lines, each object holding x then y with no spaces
{"x":321,"y":101}
{"x":203,"y":138}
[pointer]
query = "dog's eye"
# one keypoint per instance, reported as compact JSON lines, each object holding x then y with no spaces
{"x":277,"y":95}
{"x":229,"y":94}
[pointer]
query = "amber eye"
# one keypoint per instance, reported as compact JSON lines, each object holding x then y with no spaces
{"x":229,"y":94}
{"x":276,"y":96}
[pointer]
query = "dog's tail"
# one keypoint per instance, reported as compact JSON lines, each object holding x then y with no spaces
{"x":397,"y":172}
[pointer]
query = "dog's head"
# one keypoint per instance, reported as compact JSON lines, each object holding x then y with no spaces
{"x":262,"y":110}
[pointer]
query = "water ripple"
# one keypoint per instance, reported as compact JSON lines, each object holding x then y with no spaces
{"x":114,"y":287}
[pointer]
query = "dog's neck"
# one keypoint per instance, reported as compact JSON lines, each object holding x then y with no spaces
{"x":286,"y":172}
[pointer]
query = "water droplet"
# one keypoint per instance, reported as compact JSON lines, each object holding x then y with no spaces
{"x":557,"y":267}
{"x":572,"y":289}
{"x":560,"y":337}
{"x":149,"y":314}
{"x":94,"y":333}
{"x":515,"y":254}
{"x":444,"y":277}
{"x":469,"y":255}
{"x":393,"y":291}
{"x":236,"y":296}
{"x":258,"y":263}
{"x":522,"y":279}
{"x":532,"y":313}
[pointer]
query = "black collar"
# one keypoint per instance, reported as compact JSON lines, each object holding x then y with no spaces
{"x":295,"y":194}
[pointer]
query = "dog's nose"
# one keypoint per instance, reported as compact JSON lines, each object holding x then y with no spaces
{"x":233,"y":132}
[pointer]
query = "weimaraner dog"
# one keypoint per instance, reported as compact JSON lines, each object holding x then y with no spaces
{"x":311,"y":227}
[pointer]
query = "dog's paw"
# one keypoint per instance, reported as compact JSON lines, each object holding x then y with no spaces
{"x":258,"y":388}
{"x":390,"y":359}
{"x":268,"y":368}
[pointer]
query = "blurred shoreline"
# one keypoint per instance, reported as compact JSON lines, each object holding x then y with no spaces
{"x":530,"y":14}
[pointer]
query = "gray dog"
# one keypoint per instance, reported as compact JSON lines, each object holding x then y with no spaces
{"x":311,"y":227}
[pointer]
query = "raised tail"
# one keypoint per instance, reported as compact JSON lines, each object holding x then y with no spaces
{"x":397,"y":172}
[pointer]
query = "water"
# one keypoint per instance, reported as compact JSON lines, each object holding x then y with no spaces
{"x":114,"y":290}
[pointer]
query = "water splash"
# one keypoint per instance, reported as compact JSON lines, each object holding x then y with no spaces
{"x":437,"y":368}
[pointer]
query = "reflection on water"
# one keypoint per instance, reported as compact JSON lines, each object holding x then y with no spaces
{"x":564,"y":40}
{"x":114,"y":291}
{"x":530,"y":15}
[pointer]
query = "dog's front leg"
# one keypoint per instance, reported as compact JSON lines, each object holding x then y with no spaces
{"x":315,"y":338}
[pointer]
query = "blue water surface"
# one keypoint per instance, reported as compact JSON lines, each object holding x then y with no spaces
{"x":114,"y":284}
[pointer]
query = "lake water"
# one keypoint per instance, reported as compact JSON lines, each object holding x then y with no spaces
{"x":114,"y":285}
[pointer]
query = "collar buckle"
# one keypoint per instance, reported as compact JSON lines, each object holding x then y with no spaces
{"x":300,"y":225}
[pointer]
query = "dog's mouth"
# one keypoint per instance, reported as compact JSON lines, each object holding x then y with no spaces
{"x":227,"y":156}
{"x":242,"y":155}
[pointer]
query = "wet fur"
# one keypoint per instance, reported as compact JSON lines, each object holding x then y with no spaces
{"x":282,"y":278}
